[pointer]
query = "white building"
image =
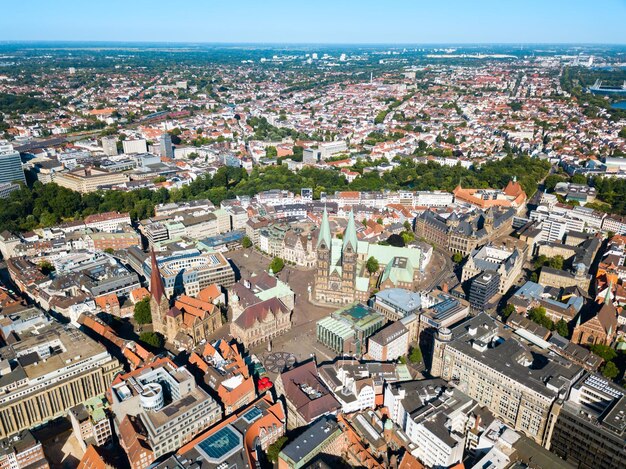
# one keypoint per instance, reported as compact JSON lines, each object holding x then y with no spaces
{"x":614,"y":223}
{"x":169,"y":403}
{"x":433,"y":416}
{"x":109,"y":146}
{"x":389,"y":343}
{"x":433,"y":199}
{"x":109,"y":221}
{"x":135,"y":146}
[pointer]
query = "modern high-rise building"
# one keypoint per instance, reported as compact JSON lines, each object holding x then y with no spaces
{"x":10,"y":164}
{"x":135,"y":146}
{"x":165,"y":146}
{"x":109,"y":146}
{"x":483,"y":289}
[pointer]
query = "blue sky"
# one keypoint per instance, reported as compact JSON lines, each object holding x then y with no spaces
{"x":318,"y":21}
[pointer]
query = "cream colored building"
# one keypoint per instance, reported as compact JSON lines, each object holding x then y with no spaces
{"x":86,"y":180}
{"x":507,"y":261}
{"x":47,"y":373}
{"x":519,"y":387}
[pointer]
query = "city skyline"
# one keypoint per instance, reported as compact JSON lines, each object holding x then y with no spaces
{"x":278,"y":22}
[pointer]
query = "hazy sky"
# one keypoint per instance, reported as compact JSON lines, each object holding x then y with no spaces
{"x":317,"y":21}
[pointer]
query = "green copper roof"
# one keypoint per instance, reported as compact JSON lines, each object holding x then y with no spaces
{"x":349,"y":237}
{"x":324,"y":231}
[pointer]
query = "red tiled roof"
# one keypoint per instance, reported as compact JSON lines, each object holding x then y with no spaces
{"x":259,"y":311}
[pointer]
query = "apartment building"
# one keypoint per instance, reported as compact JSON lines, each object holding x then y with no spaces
{"x":22,"y":451}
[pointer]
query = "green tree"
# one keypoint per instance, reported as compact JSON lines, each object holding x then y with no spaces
{"x":538,"y":316}
{"x":154,"y":339}
{"x":246,"y":243}
{"x":556,"y":262}
{"x":274,"y":449}
{"x":415,"y":356}
{"x":46,"y":267}
{"x":142,"y":313}
{"x":604,"y":351}
{"x":277,"y":265}
{"x":507,"y":311}
{"x":610,"y":370}
{"x":534,"y":277}
{"x":407,"y":236}
{"x":622,"y":132}
{"x":271,"y":152}
{"x":372,"y":265}
{"x":561,"y":328}
{"x":457,"y":258}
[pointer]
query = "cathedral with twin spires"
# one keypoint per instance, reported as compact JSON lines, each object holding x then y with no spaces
{"x":336,"y":274}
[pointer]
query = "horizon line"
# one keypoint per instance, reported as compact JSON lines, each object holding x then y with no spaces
{"x":301,"y":43}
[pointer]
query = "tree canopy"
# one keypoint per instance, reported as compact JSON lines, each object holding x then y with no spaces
{"x":277,"y":265}
{"x":372,"y":265}
{"x":142,"y":313}
{"x":46,"y":205}
{"x":153,"y":339}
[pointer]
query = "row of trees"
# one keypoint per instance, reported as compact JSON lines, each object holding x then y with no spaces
{"x":46,"y":205}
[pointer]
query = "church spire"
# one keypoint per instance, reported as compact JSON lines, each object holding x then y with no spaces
{"x":324,"y":235}
{"x":607,"y":298}
{"x":157,"y":290}
{"x":349,"y":237}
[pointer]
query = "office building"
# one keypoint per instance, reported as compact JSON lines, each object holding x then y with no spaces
{"x":49,"y":370}
{"x":238,"y":441}
{"x":462,"y":233}
{"x":108,"y":221}
{"x":389,"y":343}
{"x":434,"y":417}
{"x":347,"y":330}
{"x":322,"y":436}
{"x":85,"y":180}
{"x":518,"y":383}
{"x":166,"y":148}
{"x":10,"y":164}
{"x":306,"y":395}
{"x":159,"y":408}
{"x":135,"y":146}
{"x":590,"y":431}
{"x":483,"y":288}
{"x":506,"y":259}
{"x":359,"y":385}
{"x":109,"y":146}
{"x":189,"y":271}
